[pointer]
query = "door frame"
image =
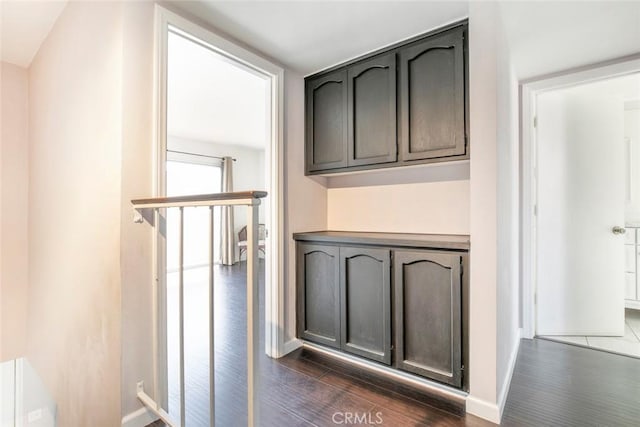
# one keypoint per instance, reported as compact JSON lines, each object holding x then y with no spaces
{"x":529,"y":89}
{"x":274,"y":286}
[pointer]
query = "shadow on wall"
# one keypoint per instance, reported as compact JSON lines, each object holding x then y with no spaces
{"x":23,"y":397}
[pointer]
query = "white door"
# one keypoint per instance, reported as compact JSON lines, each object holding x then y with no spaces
{"x":580,"y":261}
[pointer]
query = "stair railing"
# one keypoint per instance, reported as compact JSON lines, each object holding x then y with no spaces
{"x":150,"y":209}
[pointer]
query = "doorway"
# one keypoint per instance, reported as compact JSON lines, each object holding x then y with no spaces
{"x":219,"y":129}
{"x":580,"y":206}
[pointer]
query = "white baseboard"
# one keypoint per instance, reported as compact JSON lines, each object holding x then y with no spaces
{"x":140,"y":418}
{"x":504,"y":392}
{"x":493,"y":411}
{"x":483,"y":409}
{"x":291,"y":345}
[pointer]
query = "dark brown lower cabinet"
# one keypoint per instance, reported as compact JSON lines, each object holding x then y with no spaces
{"x":365,"y":283}
{"x":428,"y":313}
{"x":319,"y":293}
{"x":400,"y":300}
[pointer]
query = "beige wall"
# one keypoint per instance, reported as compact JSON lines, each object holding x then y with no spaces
{"x":14,"y":181}
{"x":432,"y":207}
{"x":137,"y":182}
{"x":74,"y":203}
{"x":305,"y":197}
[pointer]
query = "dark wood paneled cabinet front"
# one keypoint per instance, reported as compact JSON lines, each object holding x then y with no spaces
{"x":326,"y":122}
{"x":432,"y":98}
{"x":365,"y":285}
{"x":402,"y":307}
{"x":372,"y":111}
{"x":318,"y":281}
{"x":405,"y":106}
{"x":428,"y":313}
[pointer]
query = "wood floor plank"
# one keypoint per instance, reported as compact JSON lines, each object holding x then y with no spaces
{"x":553,"y":384}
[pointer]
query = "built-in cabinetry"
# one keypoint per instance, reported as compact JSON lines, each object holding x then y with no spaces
{"x":404,"y":105}
{"x":397,"y":299}
{"x":632,"y":264}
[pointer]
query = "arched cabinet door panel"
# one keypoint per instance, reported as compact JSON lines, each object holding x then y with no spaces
{"x":318,"y":293}
{"x":427,"y":309}
{"x":326,"y":122}
{"x":432,"y":98}
{"x":365,"y":283}
{"x":372,"y":111}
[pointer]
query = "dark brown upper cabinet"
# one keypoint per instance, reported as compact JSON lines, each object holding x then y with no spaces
{"x":403,"y":105}
{"x":372,"y":111}
{"x":326,"y":122}
{"x":432,"y":106}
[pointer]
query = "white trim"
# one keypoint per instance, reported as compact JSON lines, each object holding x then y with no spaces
{"x":635,"y":305}
{"x":483,"y":409}
{"x":529,"y":91}
{"x":274,"y":306}
{"x":506,"y":384}
{"x":140,"y":418}
{"x":292,"y":345}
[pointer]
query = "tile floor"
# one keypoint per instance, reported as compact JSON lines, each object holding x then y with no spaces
{"x":628,"y":345}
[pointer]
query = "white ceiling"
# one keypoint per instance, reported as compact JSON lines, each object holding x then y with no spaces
{"x":23,"y":27}
{"x":307,"y":36}
{"x":210,"y":99}
{"x":546,"y":37}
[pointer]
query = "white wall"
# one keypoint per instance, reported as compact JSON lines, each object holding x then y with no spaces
{"x":492,"y":326}
{"x":508,"y":230}
{"x":14,"y":184}
{"x":75,"y":128}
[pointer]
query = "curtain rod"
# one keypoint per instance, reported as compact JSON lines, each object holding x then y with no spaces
{"x":199,"y":155}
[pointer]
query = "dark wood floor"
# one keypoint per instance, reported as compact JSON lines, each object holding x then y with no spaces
{"x":553,"y":385}
{"x":556,"y":384}
{"x":301,"y":389}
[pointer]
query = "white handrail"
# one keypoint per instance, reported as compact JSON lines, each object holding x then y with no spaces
{"x":251,"y":199}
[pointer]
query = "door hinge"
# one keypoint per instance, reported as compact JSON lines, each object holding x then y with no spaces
{"x":535,"y":298}
{"x":535,"y":210}
{"x":535,"y":121}
{"x":462,"y":368}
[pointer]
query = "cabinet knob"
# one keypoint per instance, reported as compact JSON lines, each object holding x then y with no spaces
{"x":618,"y":230}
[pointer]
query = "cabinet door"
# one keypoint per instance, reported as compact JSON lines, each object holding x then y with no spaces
{"x":372,"y":111}
{"x":432,"y":97}
{"x":365,"y":302}
{"x":428,"y":315}
{"x":326,"y":121}
{"x":318,"y":294}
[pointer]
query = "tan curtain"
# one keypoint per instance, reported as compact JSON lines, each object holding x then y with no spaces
{"x":227,"y":240}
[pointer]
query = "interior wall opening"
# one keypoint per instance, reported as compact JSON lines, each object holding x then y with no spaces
{"x":219,"y":138}
{"x":587,"y":214}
